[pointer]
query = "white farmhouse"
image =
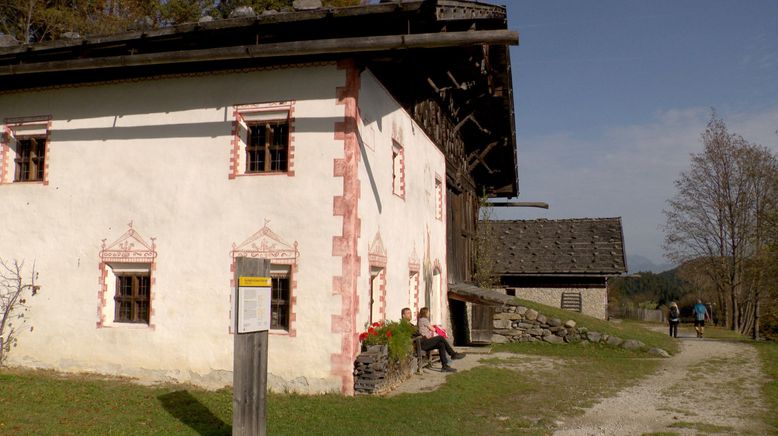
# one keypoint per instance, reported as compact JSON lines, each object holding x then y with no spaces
{"x":135,"y":169}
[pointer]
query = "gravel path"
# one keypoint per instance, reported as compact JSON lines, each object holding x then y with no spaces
{"x":709,"y":387}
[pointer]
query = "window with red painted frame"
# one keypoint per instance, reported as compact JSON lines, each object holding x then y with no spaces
{"x":263,"y":139}
{"x":23,"y":149}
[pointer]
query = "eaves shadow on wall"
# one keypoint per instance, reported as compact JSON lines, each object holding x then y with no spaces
{"x":369,"y":170}
{"x":178,"y":130}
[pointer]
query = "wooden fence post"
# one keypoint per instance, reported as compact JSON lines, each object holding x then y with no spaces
{"x":249,"y":368}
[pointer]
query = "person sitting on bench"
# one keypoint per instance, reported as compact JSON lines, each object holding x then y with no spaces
{"x":430,"y":340}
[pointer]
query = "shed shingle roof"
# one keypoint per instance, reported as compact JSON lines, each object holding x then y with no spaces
{"x":568,"y":246}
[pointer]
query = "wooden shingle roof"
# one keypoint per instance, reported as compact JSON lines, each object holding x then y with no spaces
{"x":585,"y":246}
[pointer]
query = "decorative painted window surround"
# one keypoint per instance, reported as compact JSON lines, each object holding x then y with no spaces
{"x":414,"y":267}
{"x":129,"y":255}
{"x":376,"y":254}
{"x":266,"y":244}
{"x":248,"y":115}
{"x":27,"y":133}
{"x":438,"y":197}
{"x":398,"y":169}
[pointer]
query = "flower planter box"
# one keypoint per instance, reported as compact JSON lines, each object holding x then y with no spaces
{"x":375,"y":373}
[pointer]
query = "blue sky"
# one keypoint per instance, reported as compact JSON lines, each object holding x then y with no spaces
{"x":612,"y":96}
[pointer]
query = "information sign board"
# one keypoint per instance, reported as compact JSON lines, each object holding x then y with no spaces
{"x":253,"y":304}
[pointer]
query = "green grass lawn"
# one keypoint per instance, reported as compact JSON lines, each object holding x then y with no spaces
{"x":497,"y":397}
{"x":492,"y":398}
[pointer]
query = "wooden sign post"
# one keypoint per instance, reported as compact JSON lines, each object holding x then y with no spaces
{"x":251,"y":313}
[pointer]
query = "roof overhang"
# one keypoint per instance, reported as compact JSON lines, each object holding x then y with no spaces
{"x":473,"y":294}
{"x":455,"y":52}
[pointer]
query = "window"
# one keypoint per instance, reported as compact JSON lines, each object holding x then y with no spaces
{"x":279,"y":303}
{"x":267,"y":149}
{"x":23,"y":149}
{"x":280,"y":299}
{"x":377,"y":294}
{"x":413,"y":290}
{"x":263,"y":139}
{"x":438,"y":198}
{"x":398,"y":170}
{"x":30,"y":156}
{"x":132,"y":297}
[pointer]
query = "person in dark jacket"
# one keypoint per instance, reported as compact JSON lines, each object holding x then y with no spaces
{"x":674,"y":318}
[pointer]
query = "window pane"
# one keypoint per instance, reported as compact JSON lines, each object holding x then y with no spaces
{"x":125,"y":286}
{"x":125,"y":311}
{"x":279,"y":307}
{"x":23,"y":147}
{"x":142,"y":310}
{"x":143,"y":287}
{"x":38,"y":159}
{"x":255,"y":149}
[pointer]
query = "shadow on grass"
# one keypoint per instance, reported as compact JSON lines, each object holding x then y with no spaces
{"x":187,"y":409}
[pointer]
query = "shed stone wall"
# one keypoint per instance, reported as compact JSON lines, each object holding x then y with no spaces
{"x":594,"y":301}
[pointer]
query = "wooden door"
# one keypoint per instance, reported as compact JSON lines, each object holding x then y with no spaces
{"x":482,"y":323}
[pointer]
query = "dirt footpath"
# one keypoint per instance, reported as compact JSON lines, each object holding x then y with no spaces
{"x":709,"y":387}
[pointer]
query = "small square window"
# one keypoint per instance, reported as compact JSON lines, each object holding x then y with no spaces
{"x":267,"y":147}
{"x":132,"y":299}
{"x":263,"y":139}
{"x":23,"y":149}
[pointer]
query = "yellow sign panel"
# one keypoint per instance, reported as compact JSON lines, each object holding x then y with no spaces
{"x":254,"y":281}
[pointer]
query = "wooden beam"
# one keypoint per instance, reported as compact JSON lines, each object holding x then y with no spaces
{"x":539,"y":204}
{"x":281,"y":49}
{"x":480,"y":157}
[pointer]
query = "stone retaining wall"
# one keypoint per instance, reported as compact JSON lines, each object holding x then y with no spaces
{"x":521,"y":324}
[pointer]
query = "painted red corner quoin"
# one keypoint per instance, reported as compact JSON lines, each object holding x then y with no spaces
{"x":345,"y":244}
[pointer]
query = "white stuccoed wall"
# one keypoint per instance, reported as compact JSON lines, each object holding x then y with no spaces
{"x":157,"y":153}
{"x":408,"y":226}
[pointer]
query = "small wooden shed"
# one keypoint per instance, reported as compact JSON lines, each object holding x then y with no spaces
{"x":563,"y":263}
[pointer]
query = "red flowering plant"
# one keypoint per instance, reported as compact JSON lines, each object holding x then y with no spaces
{"x":397,"y":335}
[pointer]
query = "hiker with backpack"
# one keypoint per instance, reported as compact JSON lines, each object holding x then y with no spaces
{"x":674,"y":318}
{"x":700,"y":315}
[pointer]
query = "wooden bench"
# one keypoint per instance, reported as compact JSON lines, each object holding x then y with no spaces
{"x":423,"y":358}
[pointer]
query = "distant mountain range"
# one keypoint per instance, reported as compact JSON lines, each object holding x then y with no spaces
{"x":637,"y":263}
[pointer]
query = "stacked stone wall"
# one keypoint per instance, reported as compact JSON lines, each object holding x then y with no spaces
{"x":521,"y":324}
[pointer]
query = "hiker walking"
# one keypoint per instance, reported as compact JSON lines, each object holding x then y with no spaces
{"x":700,"y":315}
{"x":674,"y":318}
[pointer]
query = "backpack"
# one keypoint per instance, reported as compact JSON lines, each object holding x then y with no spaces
{"x":674,"y":314}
